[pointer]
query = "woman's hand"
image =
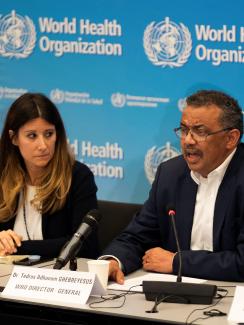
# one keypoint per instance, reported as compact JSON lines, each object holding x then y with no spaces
{"x":9,"y":241}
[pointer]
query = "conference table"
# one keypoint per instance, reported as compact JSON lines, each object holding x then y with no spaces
{"x":134,"y":307}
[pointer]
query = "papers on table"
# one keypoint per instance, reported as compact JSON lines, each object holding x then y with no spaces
{"x":236,"y":313}
{"x":9,"y":259}
{"x":136,"y":282}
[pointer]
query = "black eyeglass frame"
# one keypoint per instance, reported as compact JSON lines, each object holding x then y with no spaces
{"x":176,"y":130}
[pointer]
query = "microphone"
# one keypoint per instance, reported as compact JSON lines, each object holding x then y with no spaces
{"x":72,"y":247}
{"x":171,"y":213}
{"x":178,"y":292}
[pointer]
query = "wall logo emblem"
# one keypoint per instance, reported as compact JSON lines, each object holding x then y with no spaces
{"x":181,"y":104}
{"x":167,"y":44}
{"x":57,"y":96}
{"x":118,"y":100}
{"x":155,"y":156}
{"x":17,"y":36}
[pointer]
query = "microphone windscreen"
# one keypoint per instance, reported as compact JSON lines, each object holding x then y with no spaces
{"x":92,"y":218}
{"x":170,"y":209}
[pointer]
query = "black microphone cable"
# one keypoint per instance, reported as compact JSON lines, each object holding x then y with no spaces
{"x":208,"y":313}
{"x":114,"y":296}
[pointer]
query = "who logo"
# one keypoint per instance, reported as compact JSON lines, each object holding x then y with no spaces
{"x":17,"y":36}
{"x":155,"y":156}
{"x":118,"y":100}
{"x":57,"y":96}
{"x":167,"y":44}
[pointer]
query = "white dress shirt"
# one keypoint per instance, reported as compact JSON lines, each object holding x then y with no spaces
{"x":202,"y":229}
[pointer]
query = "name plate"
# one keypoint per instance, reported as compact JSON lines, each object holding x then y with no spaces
{"x":59,"y":287}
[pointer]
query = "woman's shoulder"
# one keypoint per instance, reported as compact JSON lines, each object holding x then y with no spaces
{"x":80,"y":168}
{"x":83,"y":176}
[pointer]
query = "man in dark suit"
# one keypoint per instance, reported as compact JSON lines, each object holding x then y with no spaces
{"x":205,"y":186}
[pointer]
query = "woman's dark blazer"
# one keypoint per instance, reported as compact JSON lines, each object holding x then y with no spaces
{"x":58,"y":227}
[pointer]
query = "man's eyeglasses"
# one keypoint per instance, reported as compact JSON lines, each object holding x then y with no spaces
{"x":197,"y":134}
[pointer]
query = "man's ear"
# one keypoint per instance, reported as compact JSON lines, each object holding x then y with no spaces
{"x":12,"y":137}
{"x":233,"y":138}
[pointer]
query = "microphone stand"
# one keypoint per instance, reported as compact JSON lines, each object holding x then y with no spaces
{"x":72,"y":247}
{"x":178,"y":292}
{"x":73,"y":264}
{"x":172,"y":215}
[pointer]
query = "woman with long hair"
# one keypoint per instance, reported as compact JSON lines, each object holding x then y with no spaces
{"x":44,"y":191}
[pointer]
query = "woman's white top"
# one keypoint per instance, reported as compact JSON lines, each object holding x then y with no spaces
{"x":33,"y":217}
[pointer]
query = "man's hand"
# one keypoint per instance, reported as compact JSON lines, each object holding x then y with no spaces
{"x":115,"y":272}
{"x":9,"y":240}
{"x":158,"y":260}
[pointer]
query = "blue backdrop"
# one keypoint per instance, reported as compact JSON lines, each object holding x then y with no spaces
{"x":119,"y":72}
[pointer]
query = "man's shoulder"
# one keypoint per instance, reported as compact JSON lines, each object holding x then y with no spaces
{"x":176,"y":162}
{"x":237,"y":160}
{"x":175,"y":167}
{"x":240,"y":150}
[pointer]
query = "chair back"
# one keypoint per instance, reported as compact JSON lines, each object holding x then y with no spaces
{"x":115,"y":217}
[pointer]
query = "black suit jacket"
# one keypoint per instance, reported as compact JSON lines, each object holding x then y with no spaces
{"x":61,"y":225}
{"x":152,"y":227}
